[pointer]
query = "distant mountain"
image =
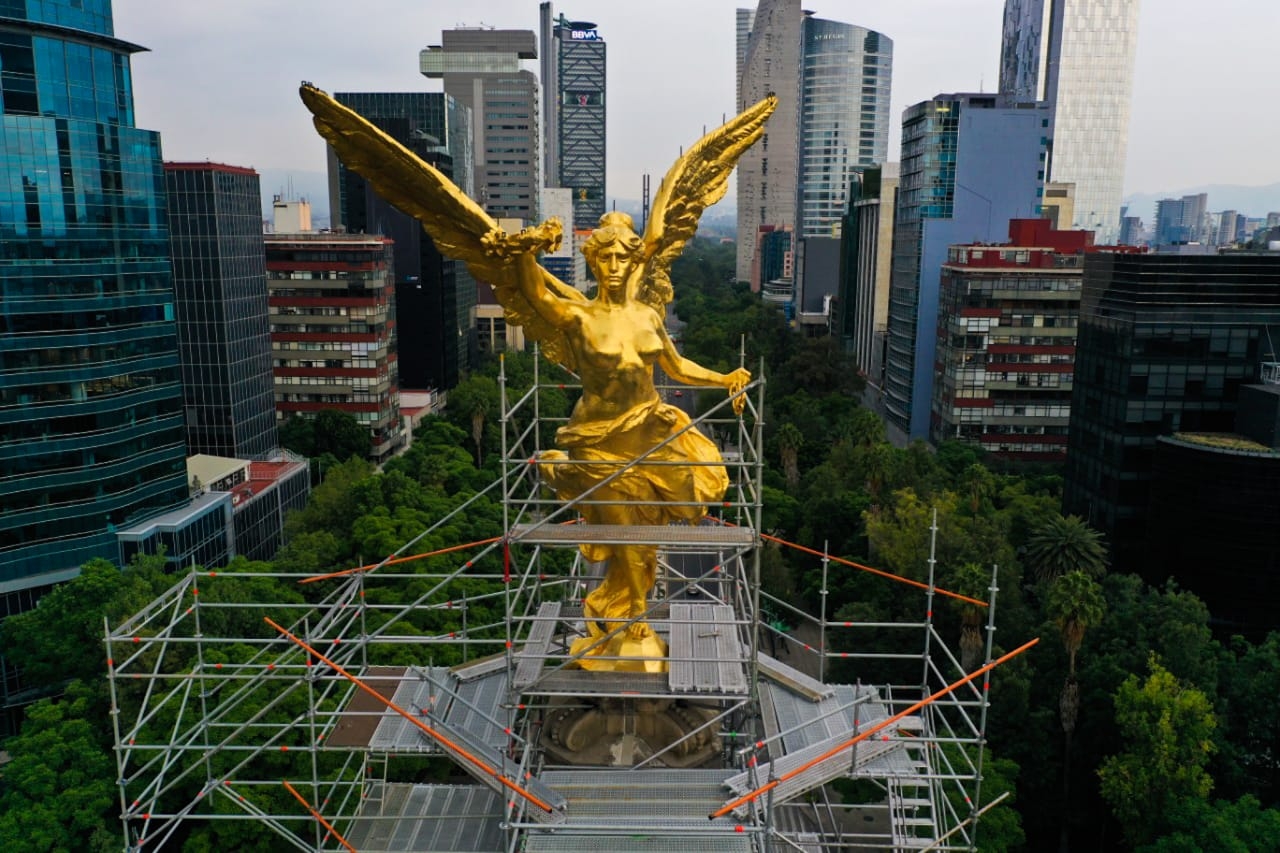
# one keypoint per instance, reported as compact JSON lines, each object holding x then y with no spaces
{"x":1250,"y":201}
{"x":718,"y":221}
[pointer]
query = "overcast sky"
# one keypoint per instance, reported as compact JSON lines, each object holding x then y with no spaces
{"x":220,"y":79}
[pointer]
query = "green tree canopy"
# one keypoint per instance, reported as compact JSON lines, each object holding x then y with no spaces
{"x":1167,"y":729}
{"x":1061,"y":545}
{"x":340,"y":434}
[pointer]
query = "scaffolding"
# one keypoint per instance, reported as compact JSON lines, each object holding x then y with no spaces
{"x":430,"y":701}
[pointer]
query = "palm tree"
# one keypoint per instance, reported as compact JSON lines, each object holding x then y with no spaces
{"x":790,"y":440}
{"x":971,"y":580}
{"x":479,"y":412}
{"x":1063,"y":545}
{"x":1075,"y":604}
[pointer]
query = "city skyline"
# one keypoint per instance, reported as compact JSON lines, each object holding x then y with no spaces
{"x":210,"y":102}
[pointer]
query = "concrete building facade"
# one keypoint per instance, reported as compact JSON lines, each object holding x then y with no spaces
{"x":1007,"y":321}
{"x":832,"y":80}
{"x":438,"y":294}
{"x":481,"y":70}
{"x":333,"y":331}
{"x":862,"y":304}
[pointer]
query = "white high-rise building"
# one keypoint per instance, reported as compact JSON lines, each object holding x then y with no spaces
{"x":1078,"y":55}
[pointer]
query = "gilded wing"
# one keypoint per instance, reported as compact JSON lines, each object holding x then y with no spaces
{"x":699,"y":179}
{"x":457,"y":225}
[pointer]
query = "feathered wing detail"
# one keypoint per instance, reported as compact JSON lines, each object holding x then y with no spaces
{"x":699,"y":179}
{"x":457,"y":225}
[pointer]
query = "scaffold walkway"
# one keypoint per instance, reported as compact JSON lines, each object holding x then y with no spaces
{"x":343,"y":720}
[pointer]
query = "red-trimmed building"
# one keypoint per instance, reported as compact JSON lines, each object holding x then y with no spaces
{"x":331,"y":299}
{"x":1007,"y":318}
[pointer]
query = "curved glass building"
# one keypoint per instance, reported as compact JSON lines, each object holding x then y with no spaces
{"x":844,"y":116}
{"x":91,"y":424}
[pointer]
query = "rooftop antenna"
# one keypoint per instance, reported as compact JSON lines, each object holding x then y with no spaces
{"x":644,"y":201}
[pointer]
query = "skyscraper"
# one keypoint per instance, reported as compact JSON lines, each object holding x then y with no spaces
{"x":1078,"y":55}
{"x":436,"y":293}
{"x":1181,"y":220}
{"x":220,"y":281}
{"x":862,"y":307}
{"x":844,"y":117}
{"x":970,"y":163}
{"x":91,"y":428}
{"x":832,"y":80}
{"x":481,"y":70}
{"x":769,"y":170}
{"x":573,"y":98}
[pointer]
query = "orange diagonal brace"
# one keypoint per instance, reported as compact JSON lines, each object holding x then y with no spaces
{"x":315,"y":814}
{"x":899,"y":578}
{"x":883,"y":724}
{"x":432,"y":733}
{"x":397,"y":560}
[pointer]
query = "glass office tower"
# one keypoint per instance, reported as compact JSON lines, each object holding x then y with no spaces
{"x":91,"y":426}
{"x":220,"y":280}
{"x":844,"y":117}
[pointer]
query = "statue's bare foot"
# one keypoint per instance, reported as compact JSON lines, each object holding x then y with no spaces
{"x":639,"y":630}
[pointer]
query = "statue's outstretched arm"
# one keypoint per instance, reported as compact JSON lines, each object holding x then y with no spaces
{"x":689,"y":372}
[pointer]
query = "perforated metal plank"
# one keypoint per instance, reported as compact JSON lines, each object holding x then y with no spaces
{"x":415,"y":692}
{"x":533,"y":657}
{"x":705,"y":655}
{"x":666,"y":535}
{"x":680,"y":648}
{"x":768,"y":712}
{"x":839,"y":764}
{"x":477,"y":708}
{"x":446,"y":818}
{"x":659,"y":811}
{"x":635,"y":843}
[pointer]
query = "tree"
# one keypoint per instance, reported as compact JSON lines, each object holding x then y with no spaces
{"x":789,"y":442}
{"x":299,"y":435}
{"x":1075,"y":604}
{"x":1061,"y":545}
{"x":1239,"y":827}
{"x":1168,"y":728}
{"x":472,"y":403}
{"x":59,"y":791}
{"x":61,"y":638}
{"x":341,"y":434}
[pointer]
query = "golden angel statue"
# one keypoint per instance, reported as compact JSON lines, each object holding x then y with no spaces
{"x":612,"y":342}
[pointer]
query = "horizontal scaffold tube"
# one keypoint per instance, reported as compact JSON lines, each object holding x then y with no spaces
{"x":315,"y":814}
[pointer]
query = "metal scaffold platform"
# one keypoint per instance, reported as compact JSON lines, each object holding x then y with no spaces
{"x":388,"y":708}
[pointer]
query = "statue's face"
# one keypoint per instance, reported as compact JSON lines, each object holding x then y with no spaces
{"x":613,"y":268}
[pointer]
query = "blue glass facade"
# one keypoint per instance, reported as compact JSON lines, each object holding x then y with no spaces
{"x":970,"y":163}
{"x":91,"y":425}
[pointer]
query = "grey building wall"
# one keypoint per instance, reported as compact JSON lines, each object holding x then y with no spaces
{"x":769,"y":170}
{"x":481,"y":69}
